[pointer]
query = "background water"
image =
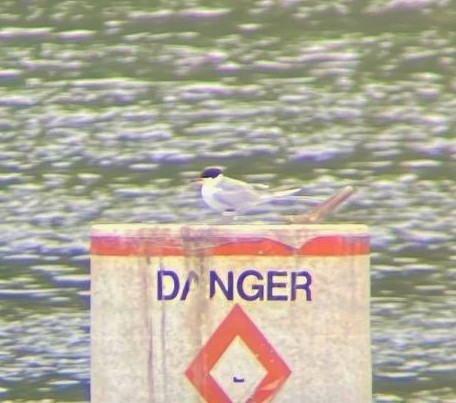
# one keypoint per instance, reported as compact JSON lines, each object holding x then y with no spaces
{"x":107,"y":108}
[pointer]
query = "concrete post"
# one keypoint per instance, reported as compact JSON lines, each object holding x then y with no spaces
{"x":230,"y":313}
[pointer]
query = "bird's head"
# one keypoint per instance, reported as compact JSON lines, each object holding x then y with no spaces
{"x":209,"y":175}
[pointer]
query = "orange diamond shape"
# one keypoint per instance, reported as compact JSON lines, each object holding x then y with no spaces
{"x":237,"y":323}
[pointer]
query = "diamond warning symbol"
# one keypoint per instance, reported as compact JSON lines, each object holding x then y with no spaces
{"x":237,"y":324}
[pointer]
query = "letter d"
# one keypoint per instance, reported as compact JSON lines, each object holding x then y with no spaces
{"x":160,"y":285}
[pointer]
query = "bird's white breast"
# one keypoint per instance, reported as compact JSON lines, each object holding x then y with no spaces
{"x":208,"y":192}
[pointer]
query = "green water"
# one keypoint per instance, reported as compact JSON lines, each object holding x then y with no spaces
{"x":107,"y":109}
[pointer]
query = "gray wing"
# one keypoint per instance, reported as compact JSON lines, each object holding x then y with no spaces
{"x":237,"y":198}
{"x":234,"y":184}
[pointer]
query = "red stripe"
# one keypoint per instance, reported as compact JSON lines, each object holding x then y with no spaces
{"x":124,"y":246}
{"x":265,"y":247}
{"x":336,"y":245}
{"x":325,"y":245}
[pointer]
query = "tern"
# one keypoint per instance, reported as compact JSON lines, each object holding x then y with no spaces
{"x":232,"y":196}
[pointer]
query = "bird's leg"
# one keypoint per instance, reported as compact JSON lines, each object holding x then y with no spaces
{"x":228,"y":216}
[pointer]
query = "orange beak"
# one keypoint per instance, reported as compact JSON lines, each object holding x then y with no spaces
{"x":198,"y":181}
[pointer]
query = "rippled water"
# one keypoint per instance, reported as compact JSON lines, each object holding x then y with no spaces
{"x":107,"y":109}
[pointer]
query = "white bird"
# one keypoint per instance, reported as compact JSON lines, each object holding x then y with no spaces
{"x":231,"y":196}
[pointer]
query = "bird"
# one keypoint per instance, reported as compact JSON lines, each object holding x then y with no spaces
{"x":232,"y":196}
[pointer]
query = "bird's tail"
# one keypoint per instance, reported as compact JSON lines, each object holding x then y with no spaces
{"x":278,"y":195}
{"x":291,"y":194}
{"x":286,"y":192}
